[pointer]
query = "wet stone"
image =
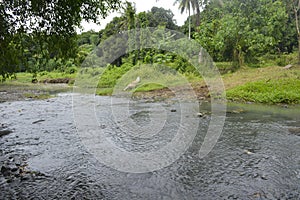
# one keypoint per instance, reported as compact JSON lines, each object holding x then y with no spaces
{"x":5,"y":171}
{"x":200,"y":114}
{"x":295,"y":131}
{"x":263,"y":177}
{"x":14,"y":169}
{"x":5,"y":132}
{"x":103,"y":126}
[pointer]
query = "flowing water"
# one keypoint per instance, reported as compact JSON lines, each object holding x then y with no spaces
{"x":44,"y":158}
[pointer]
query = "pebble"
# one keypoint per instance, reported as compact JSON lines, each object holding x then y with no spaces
{"x":263,"y":177}
{"x":102,"y":126}
{"x":248,"y":152}
{"x":200,"y":114}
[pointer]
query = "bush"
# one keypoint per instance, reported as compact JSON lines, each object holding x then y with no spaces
{"x":71,"y":70}
{"x":225,"y":67}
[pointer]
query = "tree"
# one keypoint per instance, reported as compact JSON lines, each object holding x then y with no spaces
{"x":186,"y":5}
{"x":50,"y":21}
{"x":193,"y":5}
{"x":161,"y":17}
{"x":295,"y":4}
{"x":288,"y":41}
{"x":243,"y":30}
{"x":89,"y":37}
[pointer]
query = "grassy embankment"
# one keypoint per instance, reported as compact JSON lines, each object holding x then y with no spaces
{"x":270,"y":85}
{"x":22,"y":86}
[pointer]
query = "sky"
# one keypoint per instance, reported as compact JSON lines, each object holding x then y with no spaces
{"x":141,"y":5}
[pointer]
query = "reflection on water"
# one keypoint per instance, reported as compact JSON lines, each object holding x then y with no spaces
{"x":255,"y":158}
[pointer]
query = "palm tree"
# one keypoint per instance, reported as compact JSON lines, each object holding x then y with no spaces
{"x":190,"y":5}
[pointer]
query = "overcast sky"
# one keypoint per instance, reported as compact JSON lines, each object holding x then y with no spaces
{"x":143,"y":5}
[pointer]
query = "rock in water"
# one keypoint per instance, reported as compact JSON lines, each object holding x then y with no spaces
{"x":248,"y":152}
{"x":295,"y":131}
{"x":5,"y":132}
{"x":200,"y":114}
{"x":5,"y":171}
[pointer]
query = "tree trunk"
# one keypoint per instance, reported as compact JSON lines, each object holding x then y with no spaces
{"x":189,"y":24}
{"x":198,"y":16}
{"x":298,"y":50}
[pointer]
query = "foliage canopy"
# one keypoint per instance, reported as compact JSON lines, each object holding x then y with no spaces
{"x":49,"y":24}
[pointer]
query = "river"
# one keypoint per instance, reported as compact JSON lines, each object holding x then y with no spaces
{"x":256,"y":156}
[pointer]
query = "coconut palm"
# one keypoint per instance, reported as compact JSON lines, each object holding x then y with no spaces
{"x":189,"y":5}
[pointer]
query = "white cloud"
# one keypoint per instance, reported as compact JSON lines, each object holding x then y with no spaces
{"x":142,"y":5}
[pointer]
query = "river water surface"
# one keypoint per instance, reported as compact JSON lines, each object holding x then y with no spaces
{"x":255,"y":158}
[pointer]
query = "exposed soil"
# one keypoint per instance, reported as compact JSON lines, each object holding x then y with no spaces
{"x":201,"y":92}
{"x":58,"y":80}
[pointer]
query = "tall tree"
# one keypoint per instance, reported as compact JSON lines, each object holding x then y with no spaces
{"x":243,"y":30}
{"x":51,"y":21}
{"x":296,"y":9}
{"x":186,"y":5}
{"x":192,"y":5}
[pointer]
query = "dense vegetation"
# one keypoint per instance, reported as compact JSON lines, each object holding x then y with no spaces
{"x":37,"y":35}
{"x":236,"y":33}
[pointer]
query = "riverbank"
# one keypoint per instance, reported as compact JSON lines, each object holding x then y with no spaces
{"x":19,"y":92}
{"x":268,"y":85}
{"x":44,"y":86}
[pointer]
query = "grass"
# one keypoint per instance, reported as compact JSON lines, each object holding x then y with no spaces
{"x":246,"y":75}
{"x":26,"y":78}
{"x":104,"y":91}
{"x":153,"y":77}
{"x":268,"y":85}
{"x":285,"y":91}
{"x":23,"y":86}
{"x":225,"y":67}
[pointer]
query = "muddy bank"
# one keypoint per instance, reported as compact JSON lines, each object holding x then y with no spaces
{"x":43,"y":91}
{"x":59,"y":81}
{"x":201,"y":92}
{"x":20,"y":92}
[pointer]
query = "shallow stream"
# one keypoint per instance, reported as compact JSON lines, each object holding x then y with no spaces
{"x":256,"y":156}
